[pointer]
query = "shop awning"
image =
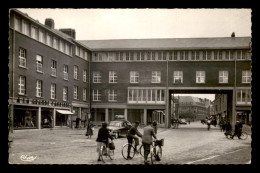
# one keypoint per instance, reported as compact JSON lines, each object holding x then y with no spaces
{"x":65,"y":112}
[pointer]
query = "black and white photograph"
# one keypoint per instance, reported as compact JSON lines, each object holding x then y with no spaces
{"x":119,"y":86}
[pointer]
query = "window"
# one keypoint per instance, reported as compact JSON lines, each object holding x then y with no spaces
{"x":243,"y":97}
{"x":112,"y":95}
{"x":84,"y":75}
{"x":142,"y":55}
{"x":244,"y":54}
{"x":34,"y":33}
{"x":153,"y":55}
{"x":53,"y":68}
{"x":223,"y":76}
{"x":22,"y":57}
{"x":156,"y":77}
{"x":151,"y":95}
{"x":132,"y":95}
{"x":25,"y":27}
{"x":96,"y":95}
{"x":231,"y":54}
{"x":65,"y":72}
{"x":96,"y":77}
{"x":76,"y":72}
{"x":65,"y":93}
{"x":38,"y":63}
{"x":193,"y":54}
{"x":55,"y":43}
{"x":141,"y":95}
{"x":49,"y":43}
{"x":148,"y":56}
{"x":181,"y":55}
{"x":17,"y":23}
{"x":77,"y":50}
{"x":134,"y":77}
{"x":239,"y":55}
{"x":200,"y":76}
{"x":186,"y":55}
{"x":177,"y":77}
{"x":84,"y":94}
{"x":75,"y":93}
{"x":53,"y":91}
{"x":112,"y":77}
{"x":38,"y":88}
{"x":41,"y":36}
{"x":117,"y":56}
{"x":67,"y":49}
{"x":160,"y":96}
{"x":204,"y":55}
{"x":246,"y":76}
{"x":127,"y":56}
{"x":197,"y":55}
{"x":61,"y":46}
{"x":170,"y":55}
{"x":215,"y":55}
{"x":121,"y":56}
{"x":80,"y":52}
{"x":22,"y":85}
{"x":208,"y":55}
{"x":132,"y":56}
{"x":164,"y":55}
{"x":175,"y":55}
{"x":220,"y":55}
{"x":227,"y":54}
{"x":86,"y":56}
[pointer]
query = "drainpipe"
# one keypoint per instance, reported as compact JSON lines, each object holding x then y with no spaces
{"x":167,"y":97}
{"x":235,"y":97}
{"x":89,"y":86}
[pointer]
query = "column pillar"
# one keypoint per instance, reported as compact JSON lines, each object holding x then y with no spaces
{"x":54,"y":118}
{"x":11,"y":116}
{"x":125,"y":114}
{"x":145,"y":116}
{"x":234,"y":116}
{"x":79,"y":114}
{"x":39,"y":117}
{"x":106,"y":115}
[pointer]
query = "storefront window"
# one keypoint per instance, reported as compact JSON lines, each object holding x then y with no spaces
{"x":25,"y":118}
{"x":47,"y":118}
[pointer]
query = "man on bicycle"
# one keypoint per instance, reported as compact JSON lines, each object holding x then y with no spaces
{"x":131,"y":135}
{"x":147,"y":140}
{"x":238,"y":130}
{"x":102,"y":138}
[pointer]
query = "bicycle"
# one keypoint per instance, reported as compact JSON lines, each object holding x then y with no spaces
{"x":132,"y":150}
{"x":243,"y":136}
{"x":106,"y":152}
{"x":156,"y":150}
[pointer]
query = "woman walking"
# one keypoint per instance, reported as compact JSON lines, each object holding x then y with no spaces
{"x":90,"y":128}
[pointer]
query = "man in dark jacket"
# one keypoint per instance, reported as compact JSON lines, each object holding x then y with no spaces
{"x":130,"y":136}
{"x":238,"y":129}
{"x":102,"y":138}
{"x":228,"y":129}
{"x":147,"y":140}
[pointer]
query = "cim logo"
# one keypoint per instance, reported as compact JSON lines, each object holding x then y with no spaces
{"x":28,"y":158}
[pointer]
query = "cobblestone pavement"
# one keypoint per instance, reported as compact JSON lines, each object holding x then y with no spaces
{"x":190,"y":144}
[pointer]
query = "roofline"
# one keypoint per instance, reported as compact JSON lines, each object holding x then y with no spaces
{"x":42,"y":25}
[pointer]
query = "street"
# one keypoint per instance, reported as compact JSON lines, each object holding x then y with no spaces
{"x":190,"y":144}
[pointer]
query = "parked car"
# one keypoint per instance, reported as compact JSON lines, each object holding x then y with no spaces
{"x":119,"y":127}
{"x":182,"y":121}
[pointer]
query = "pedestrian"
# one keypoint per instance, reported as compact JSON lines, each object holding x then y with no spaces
{"x":155,"y":126}
{"x":238,"y":130}
{"x":189,"y":121}
{"x":90,"y":129}
{"x":77,"y":122}
{"x":228,"y":129}
{"x":147,"y":140}
{"x":102,"y":138}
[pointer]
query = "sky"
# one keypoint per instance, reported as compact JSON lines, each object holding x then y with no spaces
{"x":103,"y":24}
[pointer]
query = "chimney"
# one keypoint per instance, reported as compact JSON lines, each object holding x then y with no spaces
{"x":70,"y":32}
{"x":50,"y":23}
{"x":233,"y":34}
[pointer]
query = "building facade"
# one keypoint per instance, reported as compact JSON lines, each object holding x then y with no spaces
{"x":48,"y":79}
{"x":130,"y":77}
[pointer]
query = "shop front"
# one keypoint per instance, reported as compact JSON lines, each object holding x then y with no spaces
{"x":63,"y":118}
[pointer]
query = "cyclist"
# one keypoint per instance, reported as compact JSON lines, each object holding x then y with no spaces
{"x":238,"y":130}
{"x":131,"y":135}
{"x":147,"y":140}
{"x":102,"y":138}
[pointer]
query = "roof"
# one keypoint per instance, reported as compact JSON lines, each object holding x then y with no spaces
{"x":169,"y":43}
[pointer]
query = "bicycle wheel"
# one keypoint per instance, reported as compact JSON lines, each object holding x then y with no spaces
{"x":159,"y":151}
{"x":111,"y":154}
{"x":125,"y":151}
{"x":102,"y":153}
{"x":141,"y":150}
{"x":244,"y":135}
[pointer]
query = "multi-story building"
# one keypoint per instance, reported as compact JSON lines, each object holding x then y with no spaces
{"x":48,"y":73}
{"x":192,"y":107}
{"x":131,"y":77}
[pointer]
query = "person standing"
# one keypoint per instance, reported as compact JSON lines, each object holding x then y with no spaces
{"x":102,"y":138}
{"x":130,"y":136}
{"x":238,"y":130}
{"x":147,"y":140}
{"x":228,"y":129}
{"x":90,"y":127}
